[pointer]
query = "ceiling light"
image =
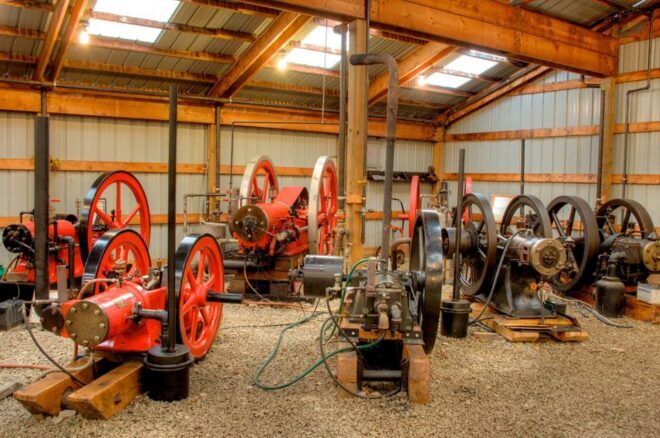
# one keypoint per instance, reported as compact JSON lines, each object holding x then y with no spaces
{"x":421,"y":81}
{"x":281,"y":64}
{"x":83,"y":37}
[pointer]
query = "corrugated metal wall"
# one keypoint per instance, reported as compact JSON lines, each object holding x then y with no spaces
{"x":99,"y":139}
{"x":643,"y":147}
{"x":102,"y":139}
{"x":558,"y":109}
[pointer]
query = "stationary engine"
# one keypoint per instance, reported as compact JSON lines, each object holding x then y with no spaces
{"x":121,"y":305}
{"x":116,"y":200}
{"x":276,"y":227}
{"x":505,"y":269}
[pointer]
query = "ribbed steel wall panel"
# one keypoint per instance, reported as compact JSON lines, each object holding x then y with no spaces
{"x":99,"y":139}
{"x":643,"y":156}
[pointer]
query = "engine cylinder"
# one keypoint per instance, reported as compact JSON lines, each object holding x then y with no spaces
{"x":546,"y":256}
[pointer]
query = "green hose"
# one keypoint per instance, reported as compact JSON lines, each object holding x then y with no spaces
{"x":316,"y":364}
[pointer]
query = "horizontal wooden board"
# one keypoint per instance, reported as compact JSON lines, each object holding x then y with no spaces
{"x":569,"y":178}
{"x":102,"y":166}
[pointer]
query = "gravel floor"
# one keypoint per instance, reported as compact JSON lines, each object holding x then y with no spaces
{"x":606,"y":386}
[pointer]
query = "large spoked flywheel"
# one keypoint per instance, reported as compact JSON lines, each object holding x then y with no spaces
{"x":116,"y":254}
{"x":574,"y":224}
{"x":479,"y":233}
{"x":526,"y":212}
{"x":323,"y":204}
{"x":198,"y":270}
{"x":426,"y":269}
{"x":624,"y":216}
{"x":116,"y":200}
{"x":259,"y":183}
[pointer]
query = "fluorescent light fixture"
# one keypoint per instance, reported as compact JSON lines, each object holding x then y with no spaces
{"x":318,"y":37}
{"x":311,"y":58}
{"x":470,"y":64}
{"x":159,"y":10}
{"x":445,"y":80}
{"x":281,"y":64}
{"x":83,"y":37}
{"x":421,"y":80}
{"x":123,"y":31}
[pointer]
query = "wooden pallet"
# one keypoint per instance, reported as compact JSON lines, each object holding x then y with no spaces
{"x":635,"y":309}
{"x":530,"y":329}
{"x":101,"y":397}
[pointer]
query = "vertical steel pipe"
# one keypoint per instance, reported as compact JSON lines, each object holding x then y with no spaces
{"x":459,"y":224}
{"x":392,"y":109}
{"x":522,"y":166}
{"x":601,"y":145}
{"x":41,"y":205}
{"x":171,"y":223}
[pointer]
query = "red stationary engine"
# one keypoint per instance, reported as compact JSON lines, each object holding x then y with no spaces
{"x":122,"y":301}
{"x":116,"y":200}
{"x":285,"y":222}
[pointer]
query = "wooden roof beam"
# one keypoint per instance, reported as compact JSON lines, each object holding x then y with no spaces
{"x":269,"y":43}
{"x":299,"y":68}
{"x":22,"y":33}
{"x":212,"y":33}
{"x":139,"y":71}
{"x":409,"y":68}
{"x":13,"y":57}
{"x":242,"y":8}
{"x":47,"y":46}
{"x":374,"y":32}
{"x":152,"y":50}
{"x":77,"y":12}
{"x":513,"y":32}
{"x":26,"y":4}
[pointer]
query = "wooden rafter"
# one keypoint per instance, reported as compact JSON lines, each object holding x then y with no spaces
{"x":492,"y":93}
{"x":195,"y":30}
{"x":152,"y":50}
{"x":410,"y":67}
{"x":41,"y":6}
{"x":260,"y":52}
{"x":243,"y":8}
{"x":77,"y":12}
{"x":462,"y":74}
{"x":515,"y":32}
{"x":23,"y":33}
{"x":51,"y":37}
{"x":13,"y":57}
{"x":139,"y":71}
{"x":298,"y":68}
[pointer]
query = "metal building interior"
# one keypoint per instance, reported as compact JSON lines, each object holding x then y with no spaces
{"x":437,"y":213}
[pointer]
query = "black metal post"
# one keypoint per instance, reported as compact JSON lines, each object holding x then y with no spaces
{"x":459,"y":224}
{"x":171,"y":223}
{"x":41,"y":205}
{"x":601,"y":144}
{"x":522,"y":166}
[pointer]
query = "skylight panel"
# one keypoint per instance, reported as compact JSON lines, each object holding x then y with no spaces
{"x":445,"y":80}
{"x":122,"y":30}
{"x":470,"y":64}
{"x":318,"y":37}
{"x":312,"y":58}
{"x":158,"y":10}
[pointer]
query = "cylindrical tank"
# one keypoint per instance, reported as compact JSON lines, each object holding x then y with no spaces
{"x":610,"y":296}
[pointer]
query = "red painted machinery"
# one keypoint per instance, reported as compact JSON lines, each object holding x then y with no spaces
{"x":276,"y":227}
{"x":121,"y":306}
{"x":116,"y":200}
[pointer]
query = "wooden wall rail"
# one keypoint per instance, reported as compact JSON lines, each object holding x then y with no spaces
{"x":156,"y":108}
{"x":568,"y":178}
{"x":573,"y":131}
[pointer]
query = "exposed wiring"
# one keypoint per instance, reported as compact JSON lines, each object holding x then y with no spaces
{"x":25,"y":366}
{"x":324,"y":357}
{"x":46,"y":355}
{"x":582,"y":305}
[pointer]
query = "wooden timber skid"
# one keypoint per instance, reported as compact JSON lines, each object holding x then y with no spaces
{"x":415,"y":377}
{"x":515,"y":329}
{"x":108,"y":389}
{"x":634,"y":308}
